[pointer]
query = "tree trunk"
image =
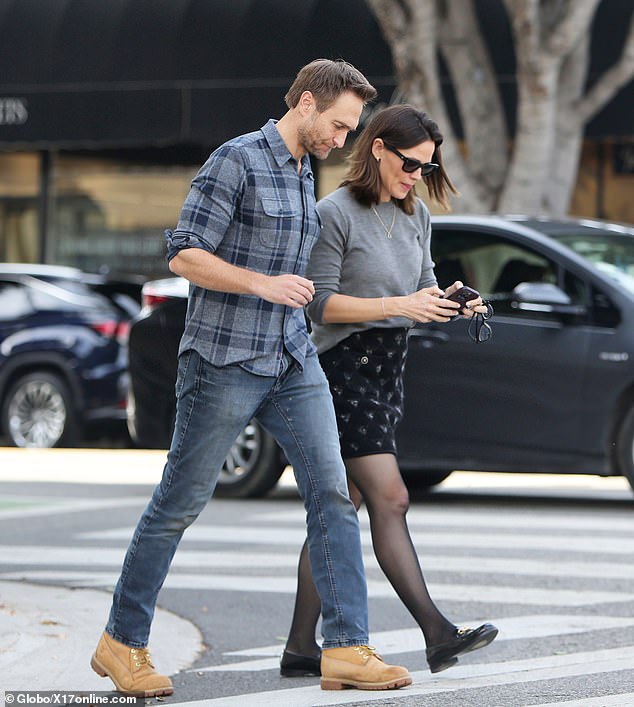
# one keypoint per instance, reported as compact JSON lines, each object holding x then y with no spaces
{"x":562,"y":175}
{"x":411,"y":27}
{"x":479,"y":102}
{"x":546,"y":35}
{"x":537,"y":174}
{"x":534,"y":143}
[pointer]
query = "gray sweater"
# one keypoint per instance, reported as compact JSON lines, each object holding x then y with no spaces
{"x":354,"y":256}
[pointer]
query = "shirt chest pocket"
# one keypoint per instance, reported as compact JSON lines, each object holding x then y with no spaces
{"x":281,"y":219}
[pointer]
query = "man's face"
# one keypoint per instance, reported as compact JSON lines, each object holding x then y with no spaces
{"x":321,"y":132}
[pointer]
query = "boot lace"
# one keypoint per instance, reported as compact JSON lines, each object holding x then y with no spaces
{"x":367,"y":652}
{"x":141,"y":657}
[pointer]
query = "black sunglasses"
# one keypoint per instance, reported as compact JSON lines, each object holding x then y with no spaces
{"x":411,"y":165}
{"x":479,"y":329}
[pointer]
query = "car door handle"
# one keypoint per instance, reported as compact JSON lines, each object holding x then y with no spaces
{"x":428,"y":337}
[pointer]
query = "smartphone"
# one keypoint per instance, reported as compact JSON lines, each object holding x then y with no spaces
{"x":462,"y":296}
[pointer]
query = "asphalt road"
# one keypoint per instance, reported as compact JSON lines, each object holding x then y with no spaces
{"x":549,"y":559}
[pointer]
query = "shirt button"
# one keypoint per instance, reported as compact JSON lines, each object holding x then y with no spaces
{"x":364,"y":360}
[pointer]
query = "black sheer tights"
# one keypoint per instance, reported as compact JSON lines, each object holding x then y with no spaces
{"x":376,"y":480}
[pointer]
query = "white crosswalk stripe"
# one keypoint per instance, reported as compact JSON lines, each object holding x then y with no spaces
{"x":436,"y":517}
{"x":376,"y":588}
{"x":498,"y":594}
{"x":463,"y":677}
{"x":258,"y":535}
{"x":103,"y":557}
{"x":402,"y":641}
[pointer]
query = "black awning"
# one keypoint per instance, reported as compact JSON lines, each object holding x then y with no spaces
{"x":85,"y":73}
{"x":85,"y":118}
{"x":142,"y":73}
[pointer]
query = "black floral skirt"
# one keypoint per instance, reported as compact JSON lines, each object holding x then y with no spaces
{"x":365,"y":373}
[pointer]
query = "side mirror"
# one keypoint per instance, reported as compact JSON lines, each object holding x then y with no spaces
{"x":544,"y":297}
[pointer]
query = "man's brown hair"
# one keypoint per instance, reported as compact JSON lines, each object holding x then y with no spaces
{"x":327,"y":80}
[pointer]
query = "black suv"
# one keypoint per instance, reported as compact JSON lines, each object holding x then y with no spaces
{"x":63,"y":352}
{"x":552,"y":391}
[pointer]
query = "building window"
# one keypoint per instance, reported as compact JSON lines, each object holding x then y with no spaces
{"x":110,"y":215}
{"x":19,"y":189}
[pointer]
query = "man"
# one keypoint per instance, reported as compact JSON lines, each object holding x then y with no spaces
{"x":243,"y":240}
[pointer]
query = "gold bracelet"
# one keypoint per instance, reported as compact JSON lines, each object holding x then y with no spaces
{"x":383,"y":307}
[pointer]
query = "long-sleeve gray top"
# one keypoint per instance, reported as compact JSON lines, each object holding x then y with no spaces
{"x":354,"y":256}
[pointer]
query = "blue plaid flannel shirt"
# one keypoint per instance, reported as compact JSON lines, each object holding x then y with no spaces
{"x":249,"y":206}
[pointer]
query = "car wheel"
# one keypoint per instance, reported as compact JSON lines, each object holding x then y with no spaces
{"x":421,"y":479}
{"x":37,"y":412}
{"x":252,"y":467}
{"x":625,"y":447}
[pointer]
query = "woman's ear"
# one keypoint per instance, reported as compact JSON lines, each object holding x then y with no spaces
{"x":377,"y":148}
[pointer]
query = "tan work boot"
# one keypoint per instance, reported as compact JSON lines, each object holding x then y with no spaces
{"x":130,"y":669}
{"x":360,"y":667}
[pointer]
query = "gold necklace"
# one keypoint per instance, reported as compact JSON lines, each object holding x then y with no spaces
{"x":388,"y":231}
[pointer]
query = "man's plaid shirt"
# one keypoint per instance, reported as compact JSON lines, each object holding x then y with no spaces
{"x":249,"y":206}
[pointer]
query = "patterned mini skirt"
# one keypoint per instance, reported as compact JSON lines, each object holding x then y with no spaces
{"x":365,"y":373}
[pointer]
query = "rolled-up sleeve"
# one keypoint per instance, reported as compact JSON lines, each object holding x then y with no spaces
{"x":210,"y":205}
{"x":326,"y":259}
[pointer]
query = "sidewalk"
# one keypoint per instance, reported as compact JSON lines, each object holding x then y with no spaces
{"x":47,"y":633}
{"x":89,"y":466}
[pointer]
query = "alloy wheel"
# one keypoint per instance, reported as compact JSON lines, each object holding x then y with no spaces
{"x":36,"y":414}
{"x":243,"y":455}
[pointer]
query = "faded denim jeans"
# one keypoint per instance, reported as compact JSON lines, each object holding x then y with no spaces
{"x":214,"y":404}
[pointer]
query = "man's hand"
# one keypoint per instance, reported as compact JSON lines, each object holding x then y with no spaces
{"x":290,"y":290}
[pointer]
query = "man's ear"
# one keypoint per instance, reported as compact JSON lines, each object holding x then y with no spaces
{"x":306,"y":103}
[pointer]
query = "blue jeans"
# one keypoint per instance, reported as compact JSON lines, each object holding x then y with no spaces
{"x":213,"y":406}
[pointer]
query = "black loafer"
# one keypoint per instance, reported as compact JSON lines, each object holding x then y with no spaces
{"x":299,"y":666}
{"x":444,"y":655}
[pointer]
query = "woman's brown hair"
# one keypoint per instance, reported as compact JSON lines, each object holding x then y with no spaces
{"x":401,"y":126}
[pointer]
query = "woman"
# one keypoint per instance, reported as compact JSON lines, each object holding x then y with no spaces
{"x":374,"y":279}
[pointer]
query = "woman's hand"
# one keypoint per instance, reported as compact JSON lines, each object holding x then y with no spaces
{"x":472,"y":307}
{"x":426,"y":305}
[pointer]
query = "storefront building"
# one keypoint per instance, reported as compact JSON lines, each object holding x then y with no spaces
{"x":107,"y":110}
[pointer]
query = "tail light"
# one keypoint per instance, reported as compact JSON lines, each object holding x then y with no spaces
{"x":123,"y":333}
{"x":112,"y":329}
{"x":107,"y":328}
{"x":150,"y":299}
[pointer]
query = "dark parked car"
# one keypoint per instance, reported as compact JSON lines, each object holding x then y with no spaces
{"x":63,"y":353}
{"x":551,"y":392}
{"x":255,"y":462}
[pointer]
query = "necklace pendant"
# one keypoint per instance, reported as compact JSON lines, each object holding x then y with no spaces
{"x":388,"y":231}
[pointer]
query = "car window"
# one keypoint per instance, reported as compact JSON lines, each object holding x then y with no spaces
{"x":14,"y":301}
{"x":495,"y":266}
{"x":611,"y":250}
{"x":65,"y":295}
{"x":125,"y":296}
